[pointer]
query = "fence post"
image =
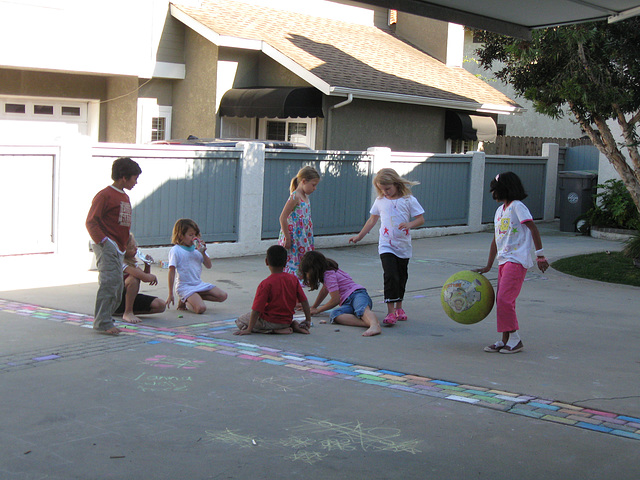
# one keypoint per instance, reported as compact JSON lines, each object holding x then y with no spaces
{"x":251,"y":196}
{"x":476,"y":190}
{"x":72,"y":238}
{"x":550,"y":150}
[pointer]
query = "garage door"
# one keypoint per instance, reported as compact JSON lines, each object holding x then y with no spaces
{"x":28,"y":200}
{"x":35,"y":120}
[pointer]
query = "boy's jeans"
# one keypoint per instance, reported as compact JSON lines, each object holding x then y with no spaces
{"x":110,"y":284}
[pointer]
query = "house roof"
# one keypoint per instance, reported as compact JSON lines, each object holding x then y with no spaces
{"x":341,"y":58}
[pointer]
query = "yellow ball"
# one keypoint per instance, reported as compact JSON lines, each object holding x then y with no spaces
{"x":467,"y":297}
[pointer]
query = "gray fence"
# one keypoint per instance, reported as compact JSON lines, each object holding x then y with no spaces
{"x":443,"y":190}
{"x":205,"y":185}
{"x":236,"y":194}
{"x":341,"y":204}
{"x":531,"y":170}
{"x":202,"y":185}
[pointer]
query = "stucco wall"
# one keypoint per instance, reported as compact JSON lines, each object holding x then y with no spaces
{"x":427,"y":34}
{"x":401,"y":127}
{"x":159,"y":89}
{"x":121,"y":109}
{"x":49,"y":84}
{"x":238,"y":68}
{"x":272,"y":73}
{"x":194,"y":98}
{"x":242,"y":68}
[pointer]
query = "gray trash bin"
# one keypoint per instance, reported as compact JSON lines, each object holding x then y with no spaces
{"x":576,"y":196}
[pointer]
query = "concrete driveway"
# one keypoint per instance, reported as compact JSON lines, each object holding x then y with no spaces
{"x":180,"y":397}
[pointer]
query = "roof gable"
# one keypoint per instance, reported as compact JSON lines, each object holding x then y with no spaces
{"x":340,"y":58}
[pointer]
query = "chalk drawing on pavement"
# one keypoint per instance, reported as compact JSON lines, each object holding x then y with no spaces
{"x":318,"y":439}
{"x":162,"y":383}
{"x":164,"y":361}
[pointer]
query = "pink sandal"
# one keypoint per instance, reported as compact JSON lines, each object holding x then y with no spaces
{"x":401,"y":316}
{"x":390,"y":319}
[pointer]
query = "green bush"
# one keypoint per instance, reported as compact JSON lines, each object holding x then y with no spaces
{"x":613,"y":207}
{"x":632,"y":246}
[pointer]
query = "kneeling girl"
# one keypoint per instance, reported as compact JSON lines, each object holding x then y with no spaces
{"x":353,"y":301}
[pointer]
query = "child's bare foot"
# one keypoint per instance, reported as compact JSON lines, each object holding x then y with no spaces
{"x":298,"y":328}
{"x":130,"y":318}
{"x":182,"y":305}
{"x":371,"y":331}
{"x":284,"y":331}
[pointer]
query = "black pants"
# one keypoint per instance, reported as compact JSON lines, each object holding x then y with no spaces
{"x":396,"y":273}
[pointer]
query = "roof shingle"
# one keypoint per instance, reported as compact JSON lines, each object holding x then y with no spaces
{"x":346,"y":55}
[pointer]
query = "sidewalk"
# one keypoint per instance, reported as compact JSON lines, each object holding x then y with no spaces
{"x":181,"y":397}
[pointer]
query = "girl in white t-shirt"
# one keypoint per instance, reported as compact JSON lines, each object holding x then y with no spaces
{"x":395,"y":207}
{"x":515,"y":236}
{"x":186,"y":258}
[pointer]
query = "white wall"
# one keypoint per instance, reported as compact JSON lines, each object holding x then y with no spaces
{"x":107,"y":37}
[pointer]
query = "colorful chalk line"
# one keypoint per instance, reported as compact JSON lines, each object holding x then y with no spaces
{"x":543,"y":409}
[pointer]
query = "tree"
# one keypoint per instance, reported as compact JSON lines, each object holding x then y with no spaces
{"x":591,"y":68}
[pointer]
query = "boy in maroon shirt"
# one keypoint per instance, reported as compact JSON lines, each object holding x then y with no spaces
{"x":109,"y":223}
{"x":275,"y":301}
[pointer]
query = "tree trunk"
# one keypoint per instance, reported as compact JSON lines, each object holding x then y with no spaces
{"x":604,"y":140}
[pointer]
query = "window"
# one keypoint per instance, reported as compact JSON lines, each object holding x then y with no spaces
{"x":14,"y":108}
{"x":158,"y":128}
{"x":297,"y":130}
{"x":43,"y":109}
{"x":154,"y":121}
{"x":462,"y":146}
{"x":54,"y":109}
{"x":276,"y":130}
{"x":71,"y":111}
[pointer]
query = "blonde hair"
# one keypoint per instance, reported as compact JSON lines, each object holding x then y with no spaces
{"x":180,"y":229}
{"x":131,"y":261}
{"x":388,"y":176}
{"x":305,"y":173}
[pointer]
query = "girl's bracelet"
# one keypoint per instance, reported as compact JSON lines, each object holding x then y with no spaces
{"x":540,"y":253}
{"x":542,"y":259}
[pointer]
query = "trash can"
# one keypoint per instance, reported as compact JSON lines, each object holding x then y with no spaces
{"x":576,"y":196}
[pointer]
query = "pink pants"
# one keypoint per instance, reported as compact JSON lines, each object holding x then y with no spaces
{"x":510,"y":279}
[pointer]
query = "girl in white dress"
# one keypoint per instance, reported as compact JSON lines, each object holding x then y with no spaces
{"x":186,"y":258}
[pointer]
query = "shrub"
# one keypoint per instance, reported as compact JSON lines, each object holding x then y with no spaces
{"x":632,"y":246}
{"x":613,"y":207}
